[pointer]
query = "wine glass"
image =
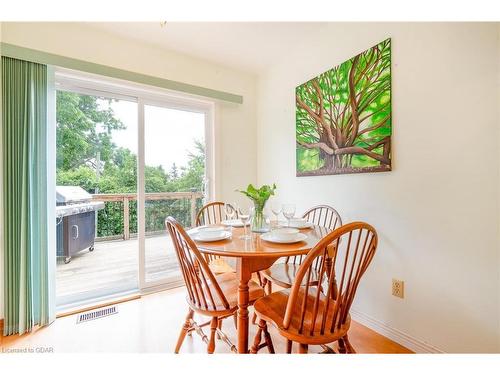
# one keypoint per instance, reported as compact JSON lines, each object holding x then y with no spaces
{"x":229,"y":211}
{"x":276,"y":208}
{"x":245,"y":214}
{"x":289,"y":212}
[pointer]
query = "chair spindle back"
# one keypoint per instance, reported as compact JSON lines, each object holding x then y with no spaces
{"x":212,"y":213}
{"x":353,"y":246}
{"x":204,"y":292}
{"x":323,"y":216}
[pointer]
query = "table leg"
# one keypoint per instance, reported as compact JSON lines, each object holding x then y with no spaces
{"x":244,"y":269}
{"x":243,"y":297}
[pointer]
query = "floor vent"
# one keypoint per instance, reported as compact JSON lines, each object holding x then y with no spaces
{"x":85,"y":317}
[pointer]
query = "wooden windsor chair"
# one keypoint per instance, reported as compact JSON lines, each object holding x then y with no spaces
{"x":211,"y":214}
{"x":207,"y":294}
{"x":283,"y":274}
{"x":308,"y":314}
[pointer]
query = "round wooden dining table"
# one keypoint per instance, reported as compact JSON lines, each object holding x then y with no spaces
{"x":254,"y":255}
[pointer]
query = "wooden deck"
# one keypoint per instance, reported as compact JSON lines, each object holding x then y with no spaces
{"x":113,"y":267}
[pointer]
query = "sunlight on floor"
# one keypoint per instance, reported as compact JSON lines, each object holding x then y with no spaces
{"x":152,"y":324}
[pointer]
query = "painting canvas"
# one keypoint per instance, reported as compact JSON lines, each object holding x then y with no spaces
{"x":343,"y":117}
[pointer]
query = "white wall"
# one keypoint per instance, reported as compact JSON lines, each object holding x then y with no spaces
{"x":437,"y":212}
{"x":235,"y":123}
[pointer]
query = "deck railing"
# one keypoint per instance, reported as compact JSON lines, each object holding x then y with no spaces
{"x":194,"y":199}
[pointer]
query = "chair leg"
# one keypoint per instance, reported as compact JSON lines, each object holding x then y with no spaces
{"x":260,"y":278}
{"x":254,"y":318}
{"x":289,"y":344}
{"x":342,"y":348}
{"x":327,"y":350}
{"x":267,"y":336}
{"x":184,"y":330}
{"x":213,"y":328}
{"x":269,"y":287}
{"x":303,"y":348}
{"x":348,"y":346}
{"x":256,"y":341}
{"x":219,"y":325}
{"x":235,"y":319}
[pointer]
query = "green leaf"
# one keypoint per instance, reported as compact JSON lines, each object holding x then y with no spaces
{"x":261,"y":195}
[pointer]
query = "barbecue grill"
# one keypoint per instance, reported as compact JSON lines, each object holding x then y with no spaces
{"x":75,"y":215}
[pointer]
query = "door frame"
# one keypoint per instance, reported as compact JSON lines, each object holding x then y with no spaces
{"x":92,"y":84}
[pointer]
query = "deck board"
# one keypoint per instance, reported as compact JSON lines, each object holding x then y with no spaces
{"x":113,"y":266}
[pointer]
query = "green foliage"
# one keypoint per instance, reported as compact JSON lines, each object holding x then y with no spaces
{"x":259,"y":196}
{"x":78,"y":138}
{"x":308,"y":160}
{"x":82,"y":176}
{"x":363,"y":161}
{"x":79,"y":117}
{"x":192,"y":176}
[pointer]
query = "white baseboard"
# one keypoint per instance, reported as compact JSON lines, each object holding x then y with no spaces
{"x":401,"y":338}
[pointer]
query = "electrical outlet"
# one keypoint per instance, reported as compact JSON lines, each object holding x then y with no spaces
{"x":398,"y":288}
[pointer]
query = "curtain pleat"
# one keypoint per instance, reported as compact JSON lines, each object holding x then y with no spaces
{"x":24,"y":138}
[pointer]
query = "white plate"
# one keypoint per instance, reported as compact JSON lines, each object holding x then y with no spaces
{"x":237,"y":223}
{"x":223,"y":236}
{"x":211,"y":228}
{"x":205,"y":228}
{"x":269,"y":237}
{"x":304,"y":225}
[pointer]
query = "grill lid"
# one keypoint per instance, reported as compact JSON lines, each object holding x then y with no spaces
{"x":71,"y":194}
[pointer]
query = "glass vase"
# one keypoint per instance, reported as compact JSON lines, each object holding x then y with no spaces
{"x":260,"y":222}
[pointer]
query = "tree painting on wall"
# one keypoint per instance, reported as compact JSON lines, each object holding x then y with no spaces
{"x":343,"y":117}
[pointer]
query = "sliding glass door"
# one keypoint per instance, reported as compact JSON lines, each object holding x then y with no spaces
{"x":96,"y":186}
{"x":127,"y":157}
{"x":173,"y":178}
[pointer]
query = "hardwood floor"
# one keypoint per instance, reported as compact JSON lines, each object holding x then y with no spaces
{"x":152,"y":324}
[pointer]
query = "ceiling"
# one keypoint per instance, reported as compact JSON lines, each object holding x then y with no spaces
{"x":247,"y":46}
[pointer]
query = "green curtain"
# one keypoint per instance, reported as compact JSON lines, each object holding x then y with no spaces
{"x":24,"y":147}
